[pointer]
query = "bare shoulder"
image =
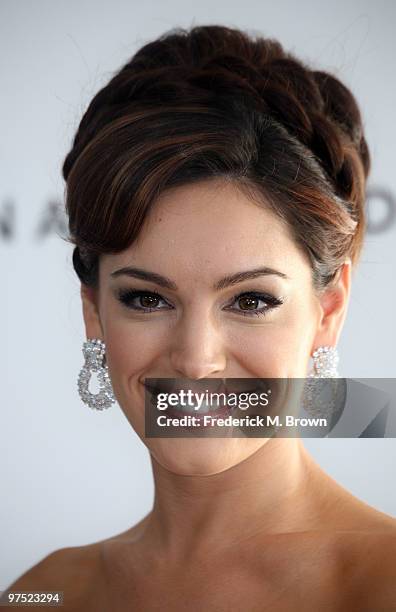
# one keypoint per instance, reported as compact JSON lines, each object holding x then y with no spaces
{"x":370,"y":563}
{"x":72,"y":570}
{"x":78,"y":571}
{"x":382,"y":570}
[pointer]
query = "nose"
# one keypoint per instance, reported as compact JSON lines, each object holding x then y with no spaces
{"x":198,"y":349}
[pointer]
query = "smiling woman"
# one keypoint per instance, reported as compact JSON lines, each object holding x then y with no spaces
{"x":215,"y":193}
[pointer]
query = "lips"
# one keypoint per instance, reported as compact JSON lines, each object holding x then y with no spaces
{"x":166,"y":386}
{"x":222,"y":411}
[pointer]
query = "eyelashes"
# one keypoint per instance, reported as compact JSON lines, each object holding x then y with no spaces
{"x":130,"y":298}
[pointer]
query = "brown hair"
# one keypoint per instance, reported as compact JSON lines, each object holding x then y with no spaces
{"x":214,"y":102}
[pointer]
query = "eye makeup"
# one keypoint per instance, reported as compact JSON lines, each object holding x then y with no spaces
{"x":134,"y":299}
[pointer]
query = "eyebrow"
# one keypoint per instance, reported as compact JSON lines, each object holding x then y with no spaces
{"x":167,"y":283}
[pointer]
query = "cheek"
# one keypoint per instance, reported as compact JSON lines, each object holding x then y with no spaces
{"x":294,"y":339}
{"x":131,"y":347}
{"x":279,"y":348}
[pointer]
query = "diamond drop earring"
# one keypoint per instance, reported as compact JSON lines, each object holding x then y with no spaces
{"x":94,"y":351}
{"x":314,"y":399}
{"x":325,"y":362}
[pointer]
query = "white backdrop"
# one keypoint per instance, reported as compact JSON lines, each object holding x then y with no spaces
{"x":70,"y":476}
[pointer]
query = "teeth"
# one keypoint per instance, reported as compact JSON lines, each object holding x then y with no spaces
{"x":189,"y":409}
{"x":203,"y":409}
{"x":212,"y":407}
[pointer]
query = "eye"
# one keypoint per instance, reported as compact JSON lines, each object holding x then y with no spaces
{"x":248,"y":303}
{"x":148,"y":301}
{"x":145,"y":301}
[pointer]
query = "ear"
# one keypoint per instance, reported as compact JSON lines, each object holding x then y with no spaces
{"x":334,"y":301}
{"x":90,"y":305}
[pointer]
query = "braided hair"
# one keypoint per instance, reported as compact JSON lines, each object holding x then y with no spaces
{"x":215,"y":102}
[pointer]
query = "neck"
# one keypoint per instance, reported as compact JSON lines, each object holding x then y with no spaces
{"x":266,"y":493}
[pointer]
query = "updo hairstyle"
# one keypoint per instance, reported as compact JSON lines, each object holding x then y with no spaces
{"x":215,"y":102}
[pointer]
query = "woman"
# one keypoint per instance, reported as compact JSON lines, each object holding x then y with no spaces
{"x":215,"y":193}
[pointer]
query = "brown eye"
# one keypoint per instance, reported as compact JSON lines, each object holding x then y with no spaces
{"x":248,"y":303}
{"x":148,"y":301}
{"x":256,"y":304}
{"x":143,"y":301}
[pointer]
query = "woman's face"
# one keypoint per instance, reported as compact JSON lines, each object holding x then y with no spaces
{"x":196,"y":236}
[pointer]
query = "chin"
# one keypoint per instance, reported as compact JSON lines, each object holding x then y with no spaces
{"x":202,"y":456}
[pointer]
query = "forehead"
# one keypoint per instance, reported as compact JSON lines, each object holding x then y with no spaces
{"x":201,"y":227}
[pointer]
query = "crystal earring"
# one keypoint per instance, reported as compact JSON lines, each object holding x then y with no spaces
{"x":315,"y":399}
{"x":325,"y":362}
{"x":94,"y":351}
